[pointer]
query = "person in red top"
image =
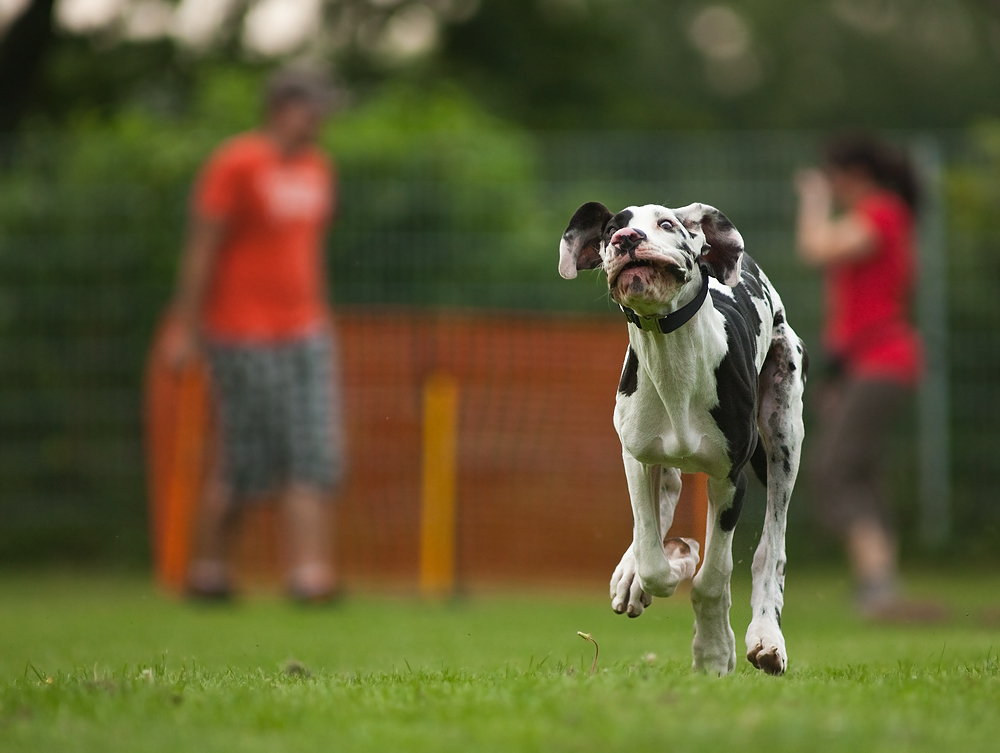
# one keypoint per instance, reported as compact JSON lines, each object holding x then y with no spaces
{"x":252,"y":296}
{"x":867,"y":255}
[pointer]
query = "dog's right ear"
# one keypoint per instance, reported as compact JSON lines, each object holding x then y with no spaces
{"x":723,"y":251}
{"x":580,"y":247}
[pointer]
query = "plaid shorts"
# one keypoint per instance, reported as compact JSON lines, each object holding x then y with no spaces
{"x":279,"y":414}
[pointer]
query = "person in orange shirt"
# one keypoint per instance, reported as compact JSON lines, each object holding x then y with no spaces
{"x":251,"y":295}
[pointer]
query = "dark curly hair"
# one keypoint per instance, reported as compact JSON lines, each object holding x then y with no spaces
{"x":884,"y":163}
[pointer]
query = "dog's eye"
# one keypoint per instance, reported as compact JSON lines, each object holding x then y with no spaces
{"x":666,"y":224}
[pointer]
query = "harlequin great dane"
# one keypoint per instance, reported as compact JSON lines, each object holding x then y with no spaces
{"x":712,"y":382}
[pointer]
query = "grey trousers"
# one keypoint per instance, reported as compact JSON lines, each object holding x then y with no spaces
{"x":848,"y":460}
{"x":279,"y":413}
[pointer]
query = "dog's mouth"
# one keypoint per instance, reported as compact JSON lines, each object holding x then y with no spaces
{"x":638,"y":263}
{"x":664,"y":266}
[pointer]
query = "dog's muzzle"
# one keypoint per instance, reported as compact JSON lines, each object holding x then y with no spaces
{"x":675,"y":319}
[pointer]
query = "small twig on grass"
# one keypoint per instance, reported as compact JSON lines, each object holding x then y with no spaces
{"x":597,"y":649}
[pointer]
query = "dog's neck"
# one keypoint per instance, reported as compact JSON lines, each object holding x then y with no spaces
{"x":678,"y":362}
{"x":680,"y":311}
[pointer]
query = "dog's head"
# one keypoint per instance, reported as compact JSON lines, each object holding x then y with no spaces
{"x":650,"y":253}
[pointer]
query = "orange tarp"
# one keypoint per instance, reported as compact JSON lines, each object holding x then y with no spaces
{"x":540,"y":490}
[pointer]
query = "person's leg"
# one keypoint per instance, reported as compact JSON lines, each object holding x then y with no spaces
{"x":308,"y":526}
{"x":239,"y":470}
{"x":872,"y":550}
{"x":856,"y":428}
{"x":314,"y":467}
{"x":208,"y":573}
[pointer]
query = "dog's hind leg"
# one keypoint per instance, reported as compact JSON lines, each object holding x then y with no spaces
{"x":653,"y":490}
{"x":780,"y":422}
{"x":714,"y":645}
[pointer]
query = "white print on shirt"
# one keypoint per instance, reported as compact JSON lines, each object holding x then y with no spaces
{"x":294,"y":194}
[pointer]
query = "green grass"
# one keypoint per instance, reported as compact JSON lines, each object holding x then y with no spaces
{"x":103,"y":663}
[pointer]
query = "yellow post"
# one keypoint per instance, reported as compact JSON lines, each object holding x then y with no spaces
{"x":437,"y":519}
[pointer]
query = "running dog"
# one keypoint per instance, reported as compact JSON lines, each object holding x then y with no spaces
{"x":712,"y":383}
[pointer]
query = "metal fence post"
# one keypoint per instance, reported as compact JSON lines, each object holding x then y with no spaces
{"x":934,"y":415}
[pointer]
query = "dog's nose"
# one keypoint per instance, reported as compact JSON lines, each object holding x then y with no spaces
{"x":627,"y":239}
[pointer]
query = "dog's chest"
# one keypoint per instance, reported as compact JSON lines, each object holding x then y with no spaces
{"x":664,"y":408}
{"x":690,"y":402}
{"x":678,"y":435}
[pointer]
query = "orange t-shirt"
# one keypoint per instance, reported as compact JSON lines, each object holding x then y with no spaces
{"x":267,"y":281}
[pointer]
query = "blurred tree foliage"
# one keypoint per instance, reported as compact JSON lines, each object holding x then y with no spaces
{"x":590,"y":64}
{"x":597,"y":64}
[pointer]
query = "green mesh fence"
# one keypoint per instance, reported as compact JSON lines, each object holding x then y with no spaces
{"x":87,"y":265}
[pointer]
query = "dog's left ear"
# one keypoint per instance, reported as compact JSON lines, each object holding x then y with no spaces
{"x":723,"y":250}
{"x":580,"y":247}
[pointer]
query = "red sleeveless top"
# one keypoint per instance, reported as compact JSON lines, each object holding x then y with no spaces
{"x":868,"y":326}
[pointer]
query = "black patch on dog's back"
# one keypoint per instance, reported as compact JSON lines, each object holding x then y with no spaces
{"x":630,"y":374}
{"x":736,"y":380}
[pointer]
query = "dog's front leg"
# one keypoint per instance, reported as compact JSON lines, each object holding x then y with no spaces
{"x":714,"y":646}
{"x":650,"y":568}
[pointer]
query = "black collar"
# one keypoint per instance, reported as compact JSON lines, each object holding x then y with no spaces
{"x":675,"y":319}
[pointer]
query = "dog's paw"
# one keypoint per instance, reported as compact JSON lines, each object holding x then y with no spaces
{"x":683,"y":556}
{"x":627,"y":596}
{"x":770,"y":660}
{"x":766,"y":648}
{"x":714,"y":650}
{"x":714,"y":644}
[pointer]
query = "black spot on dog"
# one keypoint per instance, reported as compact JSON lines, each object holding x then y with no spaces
{"x":630,"y":374}
{"x":791,"y":366}
{"x":777,"y":616}
{"x":620,"y":220}
{"x":737,"y":384}
{"x":722,"y":223}
{"x":758,"y":461}
{"x":750,"y":277}
{"x":736,"y":375}
{"x":786,"y":459}
{"x":779,"y":318}
{"x":729,"y":517}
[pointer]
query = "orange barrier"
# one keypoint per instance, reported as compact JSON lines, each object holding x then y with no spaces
{"x":539,"y":491}
{"x":178,"y":431}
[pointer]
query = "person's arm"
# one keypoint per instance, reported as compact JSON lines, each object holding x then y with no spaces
{"x":197,"y":264}
{"x":324,"y":262}
{"x":822,"y":239}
